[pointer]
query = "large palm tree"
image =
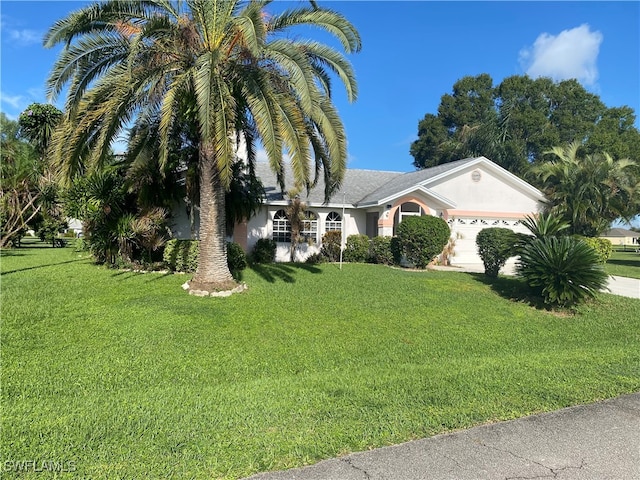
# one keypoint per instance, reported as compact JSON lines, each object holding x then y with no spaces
{"x":225,"y":65}
{"x":590,"y":191}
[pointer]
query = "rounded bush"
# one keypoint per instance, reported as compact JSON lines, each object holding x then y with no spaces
{"x":381,"y":251}
{"x":236,"y":258}
{"x":495,"y":247}
{"x":264,"y":251}
{"x":421,"y":239}
{"x":602,"y":246}
{"x":357,"y":248}
{"x":564,"y":271}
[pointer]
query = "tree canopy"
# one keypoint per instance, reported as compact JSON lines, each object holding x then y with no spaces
{"x":516,"y":122}
{"x":230,"y":68}
{"x":588,"y":191}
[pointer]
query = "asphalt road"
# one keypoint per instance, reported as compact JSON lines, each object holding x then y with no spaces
{"x":589,"y":442}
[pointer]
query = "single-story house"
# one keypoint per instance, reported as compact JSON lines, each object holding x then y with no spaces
{"x":470,"y":195}
{"x":621,"y":237}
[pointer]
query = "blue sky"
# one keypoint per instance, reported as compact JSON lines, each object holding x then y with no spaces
{"x":412,"y":54}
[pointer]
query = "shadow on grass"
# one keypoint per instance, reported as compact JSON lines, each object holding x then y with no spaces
{"x":626,"y":262}
{"x":11,"y":252}
{"x":285,"y":272}
{"x":152,"y":276}
{"x":41,"y":266}
{"x":513,"y":289}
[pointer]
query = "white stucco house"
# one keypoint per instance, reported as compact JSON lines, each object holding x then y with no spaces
{"x":469,"y":194}
{"x":622,"y":237}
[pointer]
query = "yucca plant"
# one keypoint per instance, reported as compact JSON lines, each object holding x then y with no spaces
{"x":564,"y":270}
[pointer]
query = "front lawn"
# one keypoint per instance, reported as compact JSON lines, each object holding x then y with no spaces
{"x":123,"y":375}
{"x":624,"y":264}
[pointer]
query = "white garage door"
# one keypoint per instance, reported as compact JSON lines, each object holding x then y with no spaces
{"x":465,"y":230}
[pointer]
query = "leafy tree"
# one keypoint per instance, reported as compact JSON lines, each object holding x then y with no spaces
{"x":232,"y":65}
{"x":296,"y":215}
{"x":517,"y":121}
{"x":588,"y":191}
{"x":19,"y":191}
{"x":37,"y":124}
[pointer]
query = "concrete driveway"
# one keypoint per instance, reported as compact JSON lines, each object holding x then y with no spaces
{"x":597,"y":441}
{"x":622,"y":286}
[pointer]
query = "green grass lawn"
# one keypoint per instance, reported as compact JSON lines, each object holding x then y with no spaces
{"x":127,"y":376}
{"x":624,"y":264}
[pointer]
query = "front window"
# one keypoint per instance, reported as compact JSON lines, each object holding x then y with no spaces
{"x":281,"y":227}
{"x":407,"y":209}
{"x":334,"y":222}
{"x":309,"y":231}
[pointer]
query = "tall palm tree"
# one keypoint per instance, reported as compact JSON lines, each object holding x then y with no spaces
{"x":588,"y":192}
{"x":225,"y":65}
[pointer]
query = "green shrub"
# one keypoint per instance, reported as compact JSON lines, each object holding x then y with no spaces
{"x":602,"y":246}
{"x":564,"y":271}
{"x":315,"y":259}
{"x":422,"y":238}
{"x":396,"y":250}
{"x":236,"y":258}
{"x":264,"y":251}
{"x":381,"y":251}
{"x":331,"y":245}
{"x":80,"y":245}
{"x":357,"y":249}
{"x":181,"y":255}
{"x":495,"y":246}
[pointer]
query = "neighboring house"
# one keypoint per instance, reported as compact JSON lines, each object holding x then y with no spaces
{"x":621,"y":237}
{"x":469,"y":194}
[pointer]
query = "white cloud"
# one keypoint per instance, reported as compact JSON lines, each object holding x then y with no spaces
{"x":570,"y":54}
{"x":16,"y":101}
{"x":25,"y":37}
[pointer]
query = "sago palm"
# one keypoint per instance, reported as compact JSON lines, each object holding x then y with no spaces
{"x":229,"y":67}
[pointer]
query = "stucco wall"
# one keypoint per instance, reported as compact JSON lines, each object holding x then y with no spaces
{"x":490,"y":193}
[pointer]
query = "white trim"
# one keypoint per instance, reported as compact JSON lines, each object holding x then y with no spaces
{"x":443,"y":201}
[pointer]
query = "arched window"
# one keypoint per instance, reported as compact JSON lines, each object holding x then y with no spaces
{"x":309,"y":231}
{"x":281,"y":227}
{"x":333,"y":222}
{"x":407,"y":209}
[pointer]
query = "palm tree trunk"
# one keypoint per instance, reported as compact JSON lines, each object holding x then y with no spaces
{"x":213,"y":272}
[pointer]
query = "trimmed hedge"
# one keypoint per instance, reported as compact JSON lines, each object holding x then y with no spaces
{"x":421,"y":239}
{"x":495,"y":246}
{"x":357,"y":249}
{"x":181,"y":255}
{"x":381,"y":251}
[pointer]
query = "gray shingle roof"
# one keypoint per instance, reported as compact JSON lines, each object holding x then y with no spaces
{"x":409,"y":180}
{"x":359,"y":186}
{"x":620,"y":232}
{"x":356,"y":184}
